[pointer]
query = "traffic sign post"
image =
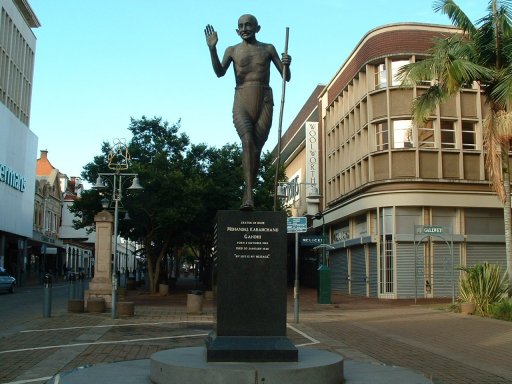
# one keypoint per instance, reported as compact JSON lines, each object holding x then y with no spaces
{"x":296,"y":225}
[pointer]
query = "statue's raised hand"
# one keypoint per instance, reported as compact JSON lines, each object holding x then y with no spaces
{"x":211,"y":36}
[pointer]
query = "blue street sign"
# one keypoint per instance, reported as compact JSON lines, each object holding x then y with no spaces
{"x":296,"y":224}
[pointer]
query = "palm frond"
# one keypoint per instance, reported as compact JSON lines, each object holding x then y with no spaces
{"x":415,"y":73}
{"x":456,"y":15}
{"x":425,"y":104}
{"x":501,"y":92}
{"x":463,"y":71}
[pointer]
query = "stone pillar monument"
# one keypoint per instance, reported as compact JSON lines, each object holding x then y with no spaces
{"x":101,"y":285}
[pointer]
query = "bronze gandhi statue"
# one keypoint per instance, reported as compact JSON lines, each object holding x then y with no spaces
{"x":253,"y":104}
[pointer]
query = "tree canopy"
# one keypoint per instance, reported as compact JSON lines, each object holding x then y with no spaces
{"x":184,"y":187}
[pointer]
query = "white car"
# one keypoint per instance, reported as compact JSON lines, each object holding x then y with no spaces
{"x":7,"y":282}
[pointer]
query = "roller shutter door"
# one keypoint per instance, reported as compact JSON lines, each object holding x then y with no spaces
{"x":373,"y":270}
{"x":339,"y":270}
{"x":405,"y":283}
{"x":493,"y":253}
{"x":358,"y":273}
{"x":443,"y":268}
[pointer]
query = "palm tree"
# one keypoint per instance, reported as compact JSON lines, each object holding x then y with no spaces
{"x":481,"y":53}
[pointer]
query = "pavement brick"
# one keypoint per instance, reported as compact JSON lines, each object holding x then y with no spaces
{"x":446,"y":347}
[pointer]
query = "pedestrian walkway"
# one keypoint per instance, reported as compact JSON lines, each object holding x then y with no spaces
{"x":443,"y":346}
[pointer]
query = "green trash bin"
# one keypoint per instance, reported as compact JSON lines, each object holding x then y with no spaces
{"x":324,"y":285}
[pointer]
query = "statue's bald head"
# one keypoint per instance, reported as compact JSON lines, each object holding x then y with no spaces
{"x":247,"y":16}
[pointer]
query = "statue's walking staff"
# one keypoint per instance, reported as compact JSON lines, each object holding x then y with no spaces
{"x":280,"y":126}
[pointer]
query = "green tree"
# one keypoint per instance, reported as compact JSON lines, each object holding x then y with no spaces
{"x":264,"y":194}
{"x":184,"y":187}
{"x":166,"y":165}
{"x":221,"y":189}
{"x":481,"y":53}
{"x":220,"y":180}
{"x":168,"y":169}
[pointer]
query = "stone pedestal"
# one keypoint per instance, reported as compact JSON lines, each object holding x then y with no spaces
{"x":250,"y":264}
{"x":101,"y":284}
{"x":188,"y":366}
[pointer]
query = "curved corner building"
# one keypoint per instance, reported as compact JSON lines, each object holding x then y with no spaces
{"x":403,"y":206}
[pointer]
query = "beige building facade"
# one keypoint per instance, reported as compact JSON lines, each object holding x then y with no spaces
{"x":403,"y":206}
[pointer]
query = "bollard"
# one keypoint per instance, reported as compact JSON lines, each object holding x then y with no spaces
{"x":80,"y":286}
{"x":71,"y":287}
{"x":114,"y":296}
{"x":47,"y":301}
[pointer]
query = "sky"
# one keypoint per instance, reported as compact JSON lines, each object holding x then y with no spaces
{"x":101,"y":62}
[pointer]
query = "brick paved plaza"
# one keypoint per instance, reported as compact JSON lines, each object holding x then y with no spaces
{"x":445,"y":347}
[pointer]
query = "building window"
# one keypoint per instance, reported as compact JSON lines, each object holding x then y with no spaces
{"x":446,"y":217}
{"x":426,"y":135}
{"x":380,"y":76}
{"x":407,"y":218}
{"x":468,"y":135}
{"x":386,"y":266}
{"x":341,"y":232}
{"x":479,"y":221}
{"x":16,"y":68}
{"x":382,"y":136}
{"x":360,"y":226}
{"x":395,"y":67}
{"x":402,"y":134}
{"x":448,"y":134}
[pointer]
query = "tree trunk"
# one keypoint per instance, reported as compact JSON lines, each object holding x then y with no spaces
{"x":149,"y":265}
{"x":505,"y":147}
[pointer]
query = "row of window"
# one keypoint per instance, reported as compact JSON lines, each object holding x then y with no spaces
{"x":45,"y":220}
{"x":401,"y":220}
{"x":381,"y":74}
{"x":402,"y":135}
{"x":16,"y":69}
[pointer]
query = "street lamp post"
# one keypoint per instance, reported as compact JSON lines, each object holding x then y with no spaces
{"x":118,"y":159}
{"x":117,"y":195}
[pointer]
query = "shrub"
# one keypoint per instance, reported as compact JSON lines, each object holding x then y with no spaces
{"x":482,"y":284}
{"x":502,"y":311}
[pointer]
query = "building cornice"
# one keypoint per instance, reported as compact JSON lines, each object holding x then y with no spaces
{"x":27,"y":13}
{"x":392,"y":39}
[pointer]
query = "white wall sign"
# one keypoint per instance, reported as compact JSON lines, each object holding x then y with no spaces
{"x":312,"y":158}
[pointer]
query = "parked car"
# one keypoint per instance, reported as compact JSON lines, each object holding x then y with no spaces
{"x":7,"y":282}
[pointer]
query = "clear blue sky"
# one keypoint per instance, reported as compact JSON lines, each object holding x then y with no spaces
{"x":100,"y":62}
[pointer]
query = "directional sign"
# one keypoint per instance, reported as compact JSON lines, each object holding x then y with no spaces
{"x":296,"y":224}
